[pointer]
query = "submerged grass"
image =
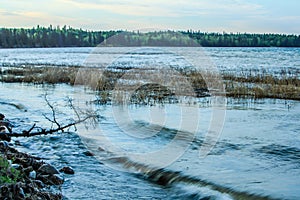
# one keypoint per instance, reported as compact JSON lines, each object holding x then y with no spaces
{"x":285,"y":85}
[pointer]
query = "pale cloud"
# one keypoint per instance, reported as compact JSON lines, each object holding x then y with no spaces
{"x":30,"y":18}
{"x":205,"y":15}
{"x":265,"y":24}
{"x":24,"y":14}
{"x":125,"y":9}
{"x":7,"y":13}
{"x":167,"y":8}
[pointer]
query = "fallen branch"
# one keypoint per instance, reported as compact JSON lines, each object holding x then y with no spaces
{"x":87,"y":115}
{"x":44,"y":131}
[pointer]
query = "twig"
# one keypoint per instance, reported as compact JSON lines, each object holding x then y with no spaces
{"x":53,"y":113}
{"x":73,"y":108}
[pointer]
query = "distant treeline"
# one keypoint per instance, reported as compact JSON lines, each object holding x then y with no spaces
{"x":70,"y":37}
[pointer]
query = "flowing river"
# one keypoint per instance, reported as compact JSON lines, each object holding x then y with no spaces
{"x":154,"y":151}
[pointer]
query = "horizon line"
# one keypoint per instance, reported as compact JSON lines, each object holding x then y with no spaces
{"x":55,"y":27}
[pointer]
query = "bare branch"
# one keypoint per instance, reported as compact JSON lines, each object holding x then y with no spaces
{"x":44,"y":131}
{"x":53,"y":112}
{"x":83,"y":116}
{"x":70,"y":101}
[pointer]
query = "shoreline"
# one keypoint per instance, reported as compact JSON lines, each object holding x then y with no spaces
{"x":27,"y":177}
{"x":23,"y":176}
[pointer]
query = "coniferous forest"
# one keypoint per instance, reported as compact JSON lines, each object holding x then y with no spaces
{"x":70,"y":37}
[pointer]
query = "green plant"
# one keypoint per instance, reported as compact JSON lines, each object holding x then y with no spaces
{"x":8,"y":174}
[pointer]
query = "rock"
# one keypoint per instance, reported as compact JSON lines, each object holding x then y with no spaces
{"x":27,"y":170}
{"x":5,"y":137}
{"x":67,"y":170}
{"x":43,"y":178}
{"x":29,"y":188}
{"x":4,"y":145}
{"x":39,"y":183}
{"x":37,"y":177}
{"x":101,"y":149}
{"x":47,"y":169}
{"x":4,"y":190}
{"x":56,"y":179}
{"x":36,"y":165}
{"x":24,"y":161}
{"x":88,"y":153}
{"x":9,"y":162}
{"x":16,"y":166}
{"x":54,"y":138}
{"x":21,"y":193}
{"x":32,"y":174}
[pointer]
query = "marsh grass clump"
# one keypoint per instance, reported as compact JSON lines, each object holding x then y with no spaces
{"x":263,"y":87}
{"x":198,"y":82}
{"x":39,"y":74}
{"x":150,"y":94}
{"x":246,"y":83}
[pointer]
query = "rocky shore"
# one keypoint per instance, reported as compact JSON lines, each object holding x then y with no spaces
{"x":23,"y":176}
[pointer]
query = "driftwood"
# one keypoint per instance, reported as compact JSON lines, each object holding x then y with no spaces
{"x":34,"y":130}
{"x":29,"y":132}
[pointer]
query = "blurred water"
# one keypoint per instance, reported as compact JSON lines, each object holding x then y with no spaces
{"x":257,"y":155}
{"x":235,"y":60}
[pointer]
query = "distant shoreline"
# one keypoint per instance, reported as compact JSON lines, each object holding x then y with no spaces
{"x":40,"y":37}
{"x":142,"y":46}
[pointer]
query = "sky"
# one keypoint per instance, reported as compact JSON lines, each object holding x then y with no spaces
{"x":251,"y":16}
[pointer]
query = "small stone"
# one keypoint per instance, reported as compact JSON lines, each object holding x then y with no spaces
{"x":16,"y":166}
{"x":9,"y":162}
{"x":32,"y":174}
{"x":101,"y":149}
{"x":4,"y":145}
{"x":29,"y":188}
{"x":88,"y":153}
{"x":54,"y":138}
{"x":67,"y":170}
{"x":47,"y":169}
{"x":39,"y":183}
{"x":27,"y":170}
{"x":4,"y":190}
{"x":21,"y":193}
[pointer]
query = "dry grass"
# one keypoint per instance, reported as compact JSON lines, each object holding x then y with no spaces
{"x":285,"y":85}
{"x":44,"y":74}
{"x":251,"y":85}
